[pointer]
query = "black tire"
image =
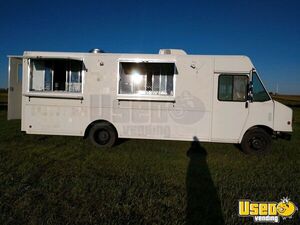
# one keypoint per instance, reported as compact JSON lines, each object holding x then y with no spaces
{"x":103,"y":135}
{"x":256,"y":141}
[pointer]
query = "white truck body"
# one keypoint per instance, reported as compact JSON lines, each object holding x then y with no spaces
{"x":170,"y":96}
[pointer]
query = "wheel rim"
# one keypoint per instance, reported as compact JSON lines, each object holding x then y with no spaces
{"x":257,"y":143}
{"x":102,"y":136}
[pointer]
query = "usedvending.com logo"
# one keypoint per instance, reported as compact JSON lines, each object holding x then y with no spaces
{"x":267,"y":212}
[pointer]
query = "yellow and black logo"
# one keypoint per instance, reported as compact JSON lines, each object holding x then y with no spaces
{"x":267,"y":211}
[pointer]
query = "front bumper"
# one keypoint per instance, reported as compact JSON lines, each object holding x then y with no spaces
{"x":283,"y":135}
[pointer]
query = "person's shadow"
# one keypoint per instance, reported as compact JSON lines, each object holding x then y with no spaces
{"x":203,"y":204}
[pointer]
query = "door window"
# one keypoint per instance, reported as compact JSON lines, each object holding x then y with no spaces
{"x":232,"y":87}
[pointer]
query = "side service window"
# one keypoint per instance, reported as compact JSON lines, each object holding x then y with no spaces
{"x":55,"y":75}
{"x":147,"y":79}
{"x":232,"y":87}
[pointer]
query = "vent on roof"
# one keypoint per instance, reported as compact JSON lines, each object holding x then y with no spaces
{"x":96,"y":50}
{"x":172,"y":52}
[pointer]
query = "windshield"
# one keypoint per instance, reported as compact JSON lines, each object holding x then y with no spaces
{"x":259,"y":92}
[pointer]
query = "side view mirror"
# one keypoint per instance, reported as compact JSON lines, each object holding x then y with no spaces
{"x":250,"y":92}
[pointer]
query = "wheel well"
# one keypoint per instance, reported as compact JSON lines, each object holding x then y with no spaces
{"x":265,"y":128}
{"x":87,"y":130}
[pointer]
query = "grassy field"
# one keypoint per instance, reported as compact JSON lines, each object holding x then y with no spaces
{"x":3,"y":98}
{"x":65,"y":180}
{"x":291,"y":100}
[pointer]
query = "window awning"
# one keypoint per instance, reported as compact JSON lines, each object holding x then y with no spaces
{"x":15,"y":56}
{"x":54,"y":57}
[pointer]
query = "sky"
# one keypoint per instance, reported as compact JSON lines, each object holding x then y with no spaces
{"x":268,"y":31}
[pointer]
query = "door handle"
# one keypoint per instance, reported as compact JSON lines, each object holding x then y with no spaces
{"x":246,"y":104}
{"x":11,"y":89}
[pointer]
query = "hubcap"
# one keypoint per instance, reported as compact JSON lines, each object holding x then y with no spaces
{"x":257,"y":143}
{"x":102,"y":137}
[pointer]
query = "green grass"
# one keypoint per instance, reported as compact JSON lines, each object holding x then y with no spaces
{"x":65,"y":180}
{"x":3,"y":98}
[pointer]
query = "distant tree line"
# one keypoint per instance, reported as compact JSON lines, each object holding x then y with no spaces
{"x":3,"y":90}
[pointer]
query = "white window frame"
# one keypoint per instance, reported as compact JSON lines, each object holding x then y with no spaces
{"x":140,"y":97}
{"x":55,"y":94}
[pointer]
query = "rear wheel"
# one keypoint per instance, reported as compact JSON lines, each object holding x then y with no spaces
{"x":256,"y":141}
{"x":103,"y":135}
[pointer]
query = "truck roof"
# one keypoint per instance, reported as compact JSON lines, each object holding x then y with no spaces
{"x":222,"y":63}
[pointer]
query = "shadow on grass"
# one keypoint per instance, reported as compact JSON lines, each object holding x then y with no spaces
{"x":203,"y":204}
{"x":121,"y":141}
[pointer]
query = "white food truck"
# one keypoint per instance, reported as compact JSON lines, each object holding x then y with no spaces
{"x":169,"y":96}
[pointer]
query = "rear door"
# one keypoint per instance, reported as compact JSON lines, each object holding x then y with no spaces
{"x":15,"y":72}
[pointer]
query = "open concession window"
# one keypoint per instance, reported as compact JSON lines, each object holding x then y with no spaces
{"x":55,"y":75}
{"x":147,"y":80}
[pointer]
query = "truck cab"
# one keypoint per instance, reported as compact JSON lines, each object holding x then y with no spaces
{"x":267,"y":118}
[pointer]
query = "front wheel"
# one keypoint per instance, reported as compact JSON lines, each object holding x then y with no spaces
{"x":103,"y":135}
{"x":256,"y":141}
